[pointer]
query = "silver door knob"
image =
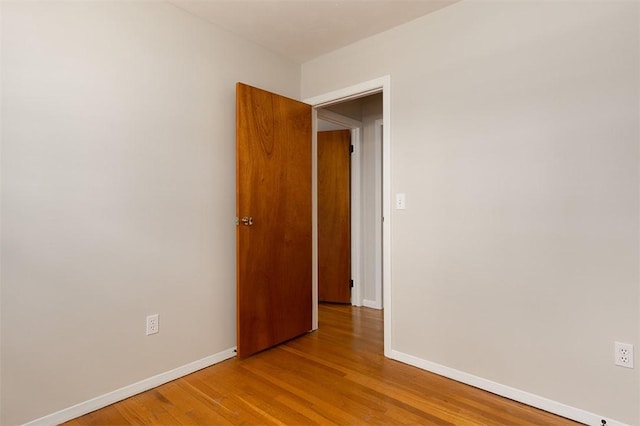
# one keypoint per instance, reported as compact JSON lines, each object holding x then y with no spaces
{"x":247,"y":221}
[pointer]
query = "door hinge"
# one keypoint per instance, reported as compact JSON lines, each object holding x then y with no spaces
{"x":350,"y":149}
{"x":351,"y":283}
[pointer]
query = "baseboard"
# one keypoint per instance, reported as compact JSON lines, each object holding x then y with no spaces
{"x":506,"y":391}
{"x":371,"y":304}
{"x":130,"y":390}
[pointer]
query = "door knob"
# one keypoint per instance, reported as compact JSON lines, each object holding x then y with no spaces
{"x":247,"y":221}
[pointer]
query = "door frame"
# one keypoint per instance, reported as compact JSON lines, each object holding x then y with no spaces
{"x":377,"y":285}
{"x":355,"y":127}
{"x":382,"y":84}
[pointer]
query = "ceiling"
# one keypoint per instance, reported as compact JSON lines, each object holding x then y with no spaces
{"x":301,"y":30}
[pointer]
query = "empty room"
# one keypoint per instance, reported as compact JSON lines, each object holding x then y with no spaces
{"x":167,"y":243}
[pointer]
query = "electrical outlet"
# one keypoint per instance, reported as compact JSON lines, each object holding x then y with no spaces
{"x":400,"y":201}
{"x":153,"y":326}
{"x":624,"y":354}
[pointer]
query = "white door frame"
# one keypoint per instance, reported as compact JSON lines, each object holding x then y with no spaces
{"x":378,"y":141}
{"x":382,"y":84}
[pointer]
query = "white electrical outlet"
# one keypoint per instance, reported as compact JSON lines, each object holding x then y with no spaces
{"x":400,"y":201}
{"x":624,"y":354}
{"x":153,"y":326}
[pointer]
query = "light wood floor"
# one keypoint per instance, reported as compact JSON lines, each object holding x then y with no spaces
{"x":336,"y":375}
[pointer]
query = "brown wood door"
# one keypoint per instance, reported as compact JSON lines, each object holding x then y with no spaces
{"x":334,"y":216}
{"x":273,"y":184}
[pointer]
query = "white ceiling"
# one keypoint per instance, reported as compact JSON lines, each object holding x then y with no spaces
{"x":304,"y":29}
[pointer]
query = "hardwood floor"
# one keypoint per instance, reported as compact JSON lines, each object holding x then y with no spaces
{"x":336,"y":375}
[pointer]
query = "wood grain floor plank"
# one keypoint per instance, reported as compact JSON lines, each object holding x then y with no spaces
{"x":177,"y":395}
{"x":336,"y":375}
{"x":107,"y":416}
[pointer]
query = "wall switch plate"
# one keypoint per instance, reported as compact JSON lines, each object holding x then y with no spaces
{"x":400,"y":201}
{"x":153,"y":326}
{"x":624,"y":354}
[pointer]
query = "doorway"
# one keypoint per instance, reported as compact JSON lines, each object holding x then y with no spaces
{"x":361,"y":116}
{"x":337,"y":104}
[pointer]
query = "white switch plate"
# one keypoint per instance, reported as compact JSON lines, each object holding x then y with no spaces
{"x":400,"y":201}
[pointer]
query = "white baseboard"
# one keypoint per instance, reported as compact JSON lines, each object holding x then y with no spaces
{"x":506,"y":391}
{"x":130,"y":390}
{"x":371,"y":304}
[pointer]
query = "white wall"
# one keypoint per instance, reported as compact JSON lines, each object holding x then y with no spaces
{"x":351,"y":109}
{"x":371,"y":200}
{"x":118,"y":194}
{"x":515,"y":138}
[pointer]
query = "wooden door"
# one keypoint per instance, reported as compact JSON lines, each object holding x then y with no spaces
{"x":334,"y":216}
{"x":273,"y":174}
